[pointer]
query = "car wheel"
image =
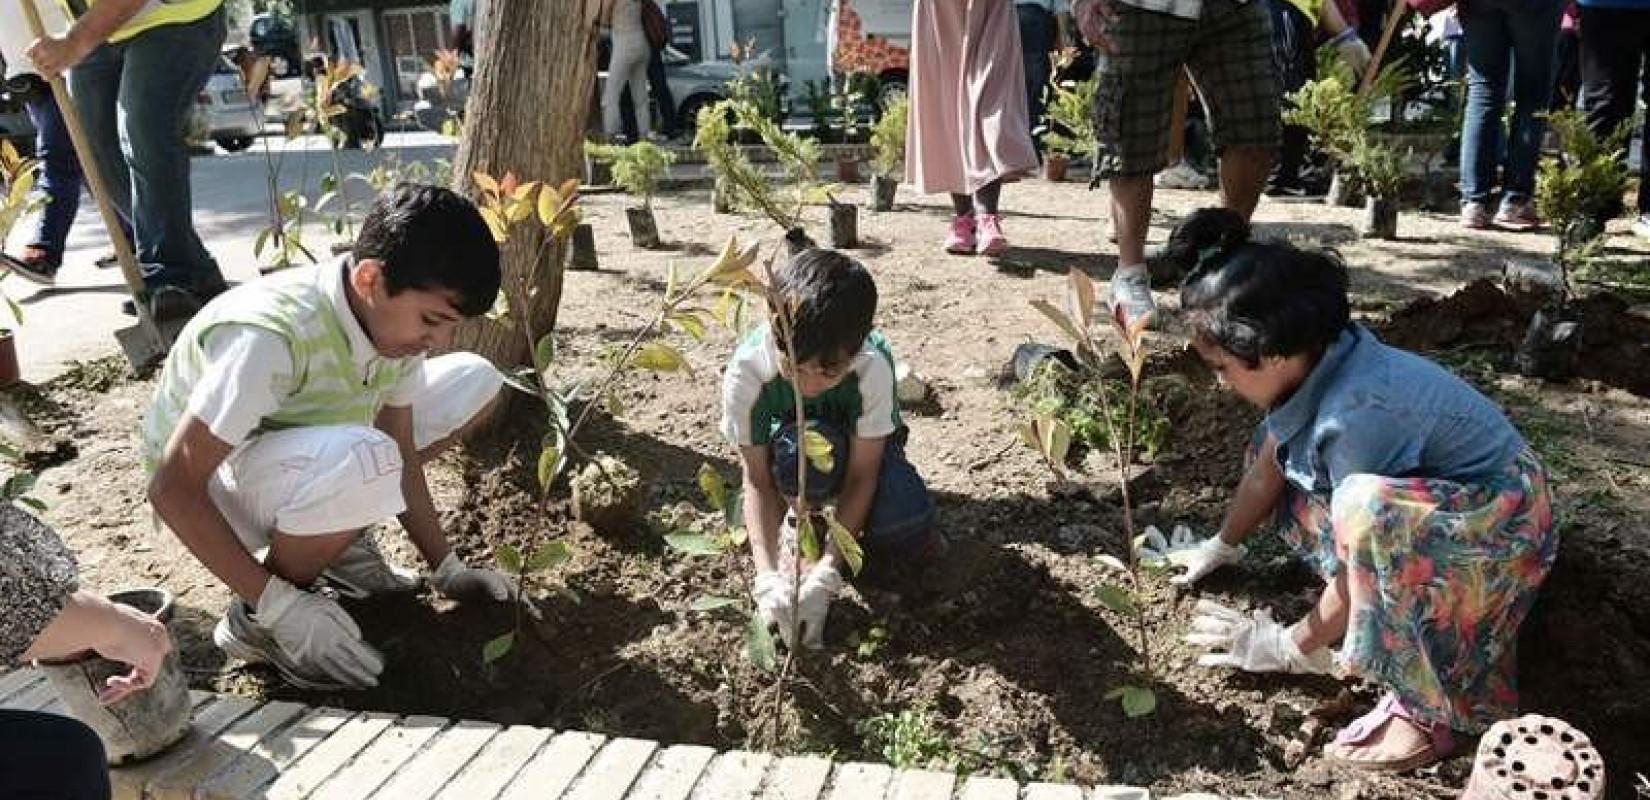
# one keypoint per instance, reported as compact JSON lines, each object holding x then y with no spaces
{"x":688,"y":117}
{"x":234,"y":144}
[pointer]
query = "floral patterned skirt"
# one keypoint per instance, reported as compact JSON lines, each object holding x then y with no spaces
{"x":1441,"y":576}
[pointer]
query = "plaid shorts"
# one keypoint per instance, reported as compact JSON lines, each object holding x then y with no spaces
{"x":1229,"y":53}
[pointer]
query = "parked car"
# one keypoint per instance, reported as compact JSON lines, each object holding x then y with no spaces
{"x":273,"y":36}
{"x":696,"y":84}
{"x":233,"y":118}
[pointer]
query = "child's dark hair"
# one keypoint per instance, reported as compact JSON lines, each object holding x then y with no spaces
{"x":431,"y":238}
{"x":1257,"y":299}
{"x":834,"y":301}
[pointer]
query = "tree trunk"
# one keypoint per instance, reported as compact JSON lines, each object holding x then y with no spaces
{"x":535,"y":66}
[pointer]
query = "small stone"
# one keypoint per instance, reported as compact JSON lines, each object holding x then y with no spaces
{"x":910,"y":386}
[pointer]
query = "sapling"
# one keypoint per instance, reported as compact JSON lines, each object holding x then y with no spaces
{"x":888,"y":151}
{"x":1075,"y":322}
{"x":744,"y":183}
{"x":637,"y":168}
{"x":1070,"y":123}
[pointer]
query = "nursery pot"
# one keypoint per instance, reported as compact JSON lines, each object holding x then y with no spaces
{"x":142,"y":724}
{"x":644,"y":231}
{"x":597,"y":173}
{"x":847,"y":170}
{"x":797,"y":240}
{"x":1343,"y":191}
{"x":618,"y":517}
{"x":1380,"y":218}
{"x":1054,"y":167}
{"x":583,"y":251}
{"x":1552,"y":342}
{"x":1029,"y":354}
{"x":10,"y":373}
{"x":844,"y":226}
{"x":882,"y":192}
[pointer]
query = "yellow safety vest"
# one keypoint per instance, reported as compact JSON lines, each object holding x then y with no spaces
{"x":153,"y":14}
{"x":1313,"y":9}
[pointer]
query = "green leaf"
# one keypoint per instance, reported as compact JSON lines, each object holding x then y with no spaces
{"x":693,"y":544}
{"x":818,"y":450}
{"x":710,"y":482}
{"x":10,"y":453}
{"x":16,"y":310}
{"x":258,"y":243}
{"x":1059,"y":317}
{"x":848,"y":546}
{"x":509,"y":558}
{"x":549,"y":465}
{"x":807,"y":539}
{"x":32,"y":503}
{"x":759,"y":644}
{"x":659,"y":357}
{"x":734,"y":515}
{"x":497,"y":647}
{"x":689,"y":323}
{"x":711,"y":602}
{"x":549,"y":555}
{"x":544,"y":353}
{"x":1137,"y":701}
{"x":1114,"y":598}
{"x":1056,"y":439}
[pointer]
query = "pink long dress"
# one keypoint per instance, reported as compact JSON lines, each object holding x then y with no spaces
{"x":968,"y":97}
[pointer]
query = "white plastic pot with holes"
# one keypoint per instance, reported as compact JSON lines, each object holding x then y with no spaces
{"x":1535,"y":758}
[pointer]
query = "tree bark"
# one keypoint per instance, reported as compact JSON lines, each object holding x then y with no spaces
{"x":535,"y":69}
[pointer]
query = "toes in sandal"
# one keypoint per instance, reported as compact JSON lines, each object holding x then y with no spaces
{"x":1440,"y":741}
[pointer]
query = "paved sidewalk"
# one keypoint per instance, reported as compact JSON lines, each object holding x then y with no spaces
{"x":241,"y":750}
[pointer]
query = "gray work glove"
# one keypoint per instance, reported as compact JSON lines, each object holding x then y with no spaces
{"x":1352,"y":50}
{"x":460,"y":582}
{"x":317,"y":635}
{"x":1184,"y":549}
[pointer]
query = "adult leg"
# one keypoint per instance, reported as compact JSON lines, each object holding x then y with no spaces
{"x":1533,"y":31}
{"x":165,"y":69}
{"x":629,"y":67}
{"x":1611,"y":52}
{"x":1233,"y":66}
{"x":1487,"y":45}
{"x":51,"y":756}
{"x":94,"y":86}
{"x":660,"y":85}
{"x":59,"y":179}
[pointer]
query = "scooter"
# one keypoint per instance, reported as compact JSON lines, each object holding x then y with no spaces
{"x":363,"y":120}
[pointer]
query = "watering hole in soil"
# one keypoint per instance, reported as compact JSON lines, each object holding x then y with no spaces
{"x":1002,"y":668}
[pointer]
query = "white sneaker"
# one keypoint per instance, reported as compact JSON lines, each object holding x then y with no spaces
{"x":361,"y":571}
{"x":1131,"y":290}
{"x":1182,"y":176}
{"x":240,"y":636}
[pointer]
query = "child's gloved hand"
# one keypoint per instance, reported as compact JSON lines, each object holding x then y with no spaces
{"x":772,"y":593}
{"x":814,"y":602}
{"x":1253,"y":643}
{"x":318,"y":636}
{"x":1158,"y":551}
{"x":1199,"y":557}
{"x":458,"y":581}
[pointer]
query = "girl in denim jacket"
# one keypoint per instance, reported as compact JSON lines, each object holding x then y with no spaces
{"x":1419,"y":504}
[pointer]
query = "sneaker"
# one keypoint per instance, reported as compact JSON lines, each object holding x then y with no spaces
{"x":35,"y":265}
{"x":1641,"y":226}
{"x":1475,"y":215}
{"x":240,"y":636}
{"x":362,"y":571}
{"x":992,"y":241}
{"x":1131,"y":291}
{"x":1518,"y":215}
{"x":1182,"y":176}
{"x":960,"y":240}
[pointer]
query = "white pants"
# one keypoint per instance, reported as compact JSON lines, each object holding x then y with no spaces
{"x":627,"y":68}
{"x":334,"y":478}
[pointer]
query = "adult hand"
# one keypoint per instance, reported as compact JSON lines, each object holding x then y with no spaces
{"x":772,"y":592}
{"x":1352,"y":50}
{"x":814,"y":602}
{"x":136,"y":639}
{"x":318,"y":636}
{"x":1095,"y":19}
{"x":1253,"y":643}
{"x":55,"y":55}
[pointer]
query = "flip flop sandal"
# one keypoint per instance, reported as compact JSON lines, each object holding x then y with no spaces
{"x":1441,"y":742}
{"x":39,"y":270}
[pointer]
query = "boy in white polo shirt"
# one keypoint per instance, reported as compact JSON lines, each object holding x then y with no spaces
{"x":298,"y":409}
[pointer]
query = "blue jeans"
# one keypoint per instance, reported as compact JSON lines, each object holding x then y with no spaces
{"x":902,"y":512}
{"x":1505,"y":41}
{"x":135,"y":99}
{"x":59,"y":176}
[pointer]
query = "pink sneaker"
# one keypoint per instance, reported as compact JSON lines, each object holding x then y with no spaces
{"x":992,"y":240}
{"x":960,"y":241}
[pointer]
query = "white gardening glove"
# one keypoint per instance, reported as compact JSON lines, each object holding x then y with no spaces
{"x":772,"y":592}
{"x":455,"y":580}
{"x":814,"y":602}
{"x":1352,"y":50}
{"x":318,"y":635}
{"x":1253,"y":643}
{"x":1184,"y":549}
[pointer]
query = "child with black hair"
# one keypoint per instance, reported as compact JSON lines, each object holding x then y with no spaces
{"x":1415,"y":499}
{"x":298,"y":409}
{"x":845,"y":374}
